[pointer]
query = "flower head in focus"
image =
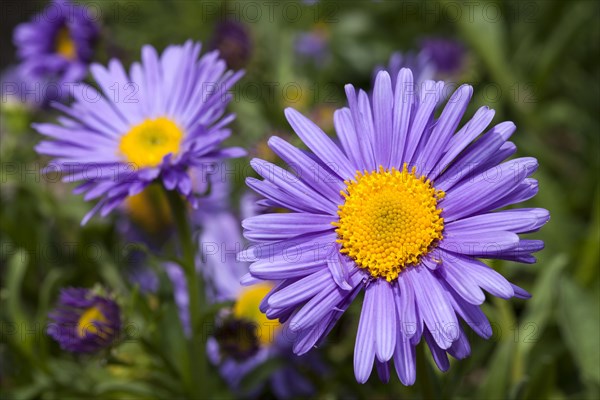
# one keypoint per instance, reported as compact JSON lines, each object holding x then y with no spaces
{"x":56,"y":45}
{"x":165,"y":118}
{"x":83,"y":321}
{"x":402,"y":210}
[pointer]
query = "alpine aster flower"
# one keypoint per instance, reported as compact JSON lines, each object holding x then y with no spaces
{"x":84,"y":322}
{"x":57,"y":44}
{"x":155,"y":123}
{"x":402,"y":210}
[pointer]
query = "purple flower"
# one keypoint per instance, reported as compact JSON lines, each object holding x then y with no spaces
{"x":232,"y":39}
{"x":420,"y":64}
{"x":437,"y":57}
{"x":313,"y":46}
{"x":156,"y":123}
{"x":56,"y":45}
{"x":447,"y":55}
{"x":84,"y":322}
{"x":143,"y":276}
{"x":402,"y":210}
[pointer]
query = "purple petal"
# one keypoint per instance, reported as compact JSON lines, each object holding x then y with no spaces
{"x":480,"y":243}
{"x":430,"y":97}
{"x":339,"y":270}
{"x":285,"y":225}
{"x":434,"y":308}
{"x":302,"y":290}
{"x":406,"y":306}
{"x":403,"y":105}
{"x":405,"y":361}
{"x":364,"y":348}
{"x":477,"y":194}
{"x":386,"y":317}
{"x":464,"y":137}
{"x":311,"y":172}
{"x":444,"y":129}
{"x":476,"y":155}
{"x":293,"y":186}
{"x":439,"y":355}
{"x":320,"y":144}
{"x":520,"y":293}
{"x":383,"y":371}
{"x":461,"y":348}
{"x":361,"y":129}
{"x":382,"y":115}
{"x":461,"y":282}
{"x":517,"y":220}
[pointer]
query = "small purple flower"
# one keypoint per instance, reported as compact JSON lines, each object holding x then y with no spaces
{"x":165,"y":117}
{"x":313,"y":45}
{"x":447,"y":55}
{"x":401,"y":208}
{"x":232,"y":40}
{"x":144,"y":277}
{"x":57,"y":44}
{"x":84,"y":322}
{"x":436,"y":58}
{"x":419,"y":63}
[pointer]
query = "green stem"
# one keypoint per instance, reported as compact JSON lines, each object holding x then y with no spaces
{"x":197,"y":341}
{"x":423,"y":374}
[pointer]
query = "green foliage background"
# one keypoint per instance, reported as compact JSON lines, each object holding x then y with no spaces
{"x":534,"y":62}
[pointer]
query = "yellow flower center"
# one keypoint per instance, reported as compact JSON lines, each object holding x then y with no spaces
{"x":389,"y":220}
{"x":146,"y":144}
{"x":65,"y":45}
{"x":246,"y":308}
{"x":88,"y":320}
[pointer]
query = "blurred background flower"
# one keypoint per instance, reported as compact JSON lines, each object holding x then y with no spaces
{"x":57,"y":45}
{"x":173,"y":119}
{"x":84,"y":322}
{"x":314,"y":45}
{"x":447,"y":55}
{"x":232,"y":39}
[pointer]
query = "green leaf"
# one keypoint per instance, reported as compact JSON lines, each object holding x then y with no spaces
{"x":140,"y":389}
{"x":579,"y":313}
{"x":540,"y":307}
{"x":587,"y":271}
{"x":17,"y":267}
{"x":496,"y":382}
{"x":32,"y":391}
